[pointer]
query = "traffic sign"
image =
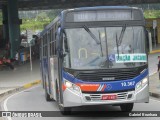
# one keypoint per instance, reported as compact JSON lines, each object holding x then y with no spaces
{"x":111,"y":57}
{"x":29,"y":35}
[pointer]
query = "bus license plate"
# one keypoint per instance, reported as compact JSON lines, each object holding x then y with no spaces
{"x":109,"y":97}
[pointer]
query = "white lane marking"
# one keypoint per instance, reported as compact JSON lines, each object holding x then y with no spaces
{"x":6,"y":100}
{"x":5,"y":107}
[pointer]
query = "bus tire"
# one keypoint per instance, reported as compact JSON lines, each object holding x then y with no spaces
{"x":63,"y":110}
{"x":127,"y":107}
{"x":43,"y":84}
{"x":47,"y":96}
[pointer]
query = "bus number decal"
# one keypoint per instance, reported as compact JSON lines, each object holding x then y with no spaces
{"x":128,"y":84}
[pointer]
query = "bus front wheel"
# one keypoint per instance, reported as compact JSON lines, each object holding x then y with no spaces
{"x":63,"y":110}
{"x":127,"y":107}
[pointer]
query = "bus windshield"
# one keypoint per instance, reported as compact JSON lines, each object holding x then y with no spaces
{"x":86,"y":53}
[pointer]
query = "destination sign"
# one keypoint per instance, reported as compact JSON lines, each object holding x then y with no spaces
{"x":102,"y":15}
{"x":126,"y":58}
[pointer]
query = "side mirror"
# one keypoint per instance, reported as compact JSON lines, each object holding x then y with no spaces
{"x":61,"y":53}
{"x":66,"y":44}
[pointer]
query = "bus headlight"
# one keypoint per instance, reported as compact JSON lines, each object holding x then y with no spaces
{"x":144,"y":81}
{"x":141,"y":84}
{"x":72,"y":86}
{"x":68,"y":84}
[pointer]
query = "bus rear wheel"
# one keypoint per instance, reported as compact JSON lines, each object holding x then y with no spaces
{"x":47,"y":96}
{"x":127,"y":107}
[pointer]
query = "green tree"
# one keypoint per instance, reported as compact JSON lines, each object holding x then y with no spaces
{"x":152,"y":13}
{"x":42,"y":17}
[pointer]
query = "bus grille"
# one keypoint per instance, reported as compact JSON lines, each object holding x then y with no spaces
{"x":109,"y":75}
{"x":98,"y":97}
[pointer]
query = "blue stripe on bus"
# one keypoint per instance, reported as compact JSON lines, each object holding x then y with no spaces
{"x":111,"y":85}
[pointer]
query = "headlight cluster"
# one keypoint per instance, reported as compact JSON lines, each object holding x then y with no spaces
{"x":72,"y":87}
{"x":141,"y":84}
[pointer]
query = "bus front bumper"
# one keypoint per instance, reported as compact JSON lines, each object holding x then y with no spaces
{"x":72,"y":99}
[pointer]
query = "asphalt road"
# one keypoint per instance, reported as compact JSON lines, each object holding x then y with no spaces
{"x":34,"y":100}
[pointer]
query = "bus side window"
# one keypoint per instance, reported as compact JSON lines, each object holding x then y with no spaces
{"x":48,"y":39}
{"x":46,"y":48}
{"x":55,"y":48}
{"x":43,"y":45}
{"x":55,"y":35}
{"x":51,"y":52}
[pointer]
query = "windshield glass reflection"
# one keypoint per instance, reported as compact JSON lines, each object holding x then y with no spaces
{"x":86,"y":53}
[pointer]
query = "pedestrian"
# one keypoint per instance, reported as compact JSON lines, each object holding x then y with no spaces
{"x":7,"y":63}
{"x":17,"y":60}
{"x":159,"y":66}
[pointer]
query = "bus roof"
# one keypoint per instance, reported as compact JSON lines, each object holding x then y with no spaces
{"x":101,"y":8}
{"x":64,"y":12}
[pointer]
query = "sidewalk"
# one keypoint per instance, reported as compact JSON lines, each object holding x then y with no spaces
{"x":154,"y":84}
{"x":11,"y":81}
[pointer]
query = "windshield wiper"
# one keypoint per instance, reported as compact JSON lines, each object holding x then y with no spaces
{"x":117,"y":45}
{"x":119,"y":41}
{"x":121,"y":35}
{"x":91,"y":34}
{"x":100,"y":44}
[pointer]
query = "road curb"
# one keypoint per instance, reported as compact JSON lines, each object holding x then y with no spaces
{"x":154,"y":95}
{"x":154,"y":51}
{"x":26,"y":86}
{"x":31,"y":84}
